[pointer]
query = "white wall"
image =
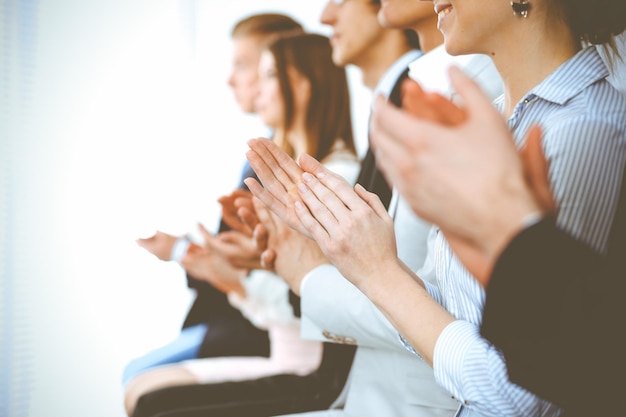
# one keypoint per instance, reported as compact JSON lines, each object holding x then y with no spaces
{"x":116,"y":120}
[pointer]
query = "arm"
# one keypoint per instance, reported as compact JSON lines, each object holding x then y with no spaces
{"x":355,"y":232}
{"x":544,"y":345}
{"x":453,"y":346}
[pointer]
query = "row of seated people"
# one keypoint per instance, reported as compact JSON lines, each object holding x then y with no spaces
{"x":373,"y":304}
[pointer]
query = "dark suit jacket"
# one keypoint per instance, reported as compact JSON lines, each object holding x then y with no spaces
{"x":230,"y":333}
{"x":555,"y":308}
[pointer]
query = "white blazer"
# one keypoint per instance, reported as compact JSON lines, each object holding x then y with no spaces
{"x":385,"y":379}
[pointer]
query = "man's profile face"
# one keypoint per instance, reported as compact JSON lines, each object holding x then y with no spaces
{"x":244,"y":73}
{"x":355,"y":29}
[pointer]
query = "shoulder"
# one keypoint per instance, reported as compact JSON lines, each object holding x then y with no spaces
{"x":342,"y":162}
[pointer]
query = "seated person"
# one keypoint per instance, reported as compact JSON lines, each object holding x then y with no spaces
{"x":298,"y":85}
{"x":212,"y":326}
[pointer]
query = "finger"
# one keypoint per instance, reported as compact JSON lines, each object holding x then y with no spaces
{"x":420,"y":104}
{"x":145,"y":241}
{"x":204,"y":232}
{"x":413,"y":96}
{"x":225,"y":199}
{"x":262,"y":212}
{"x":230,"y":236}
{"x":311,"y":227}
{"x":264,"y":169}
{"x":372,"y":200}
{"x":243,"y":201}
{"x":235,"y":223}
{"x":332,"y":188}
{"x":249,"y":217}
{"x":261,"y":237}
{"x":268,"y":258}
{"x":210,"y":241}
{"x":310,"y":164}
{"x":395,"y":124}
{"x":277,"y":171}
{"x":284,"y":162}
{"x":447,"y":113}
{"x":323,"y":204}
{"x":475,"y":100}
{"x":396,"y":135}
{"x":430,"y":105}
{"x":240,"y":193}
{"x":266,"y":197}
{"x":536,"y":170}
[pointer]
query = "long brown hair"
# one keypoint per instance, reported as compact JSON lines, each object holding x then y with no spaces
{"x":328,"y":115}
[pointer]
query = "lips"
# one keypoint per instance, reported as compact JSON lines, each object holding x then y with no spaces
{"x":442,"y":10}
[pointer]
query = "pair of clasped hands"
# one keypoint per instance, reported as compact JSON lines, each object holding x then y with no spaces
{"x":222,"y":259}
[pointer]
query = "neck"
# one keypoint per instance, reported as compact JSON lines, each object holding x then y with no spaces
{"x":382,"y":56}
{"x":524,"y":65}
{"x":297,"y":138}
{"x":429,"y":35}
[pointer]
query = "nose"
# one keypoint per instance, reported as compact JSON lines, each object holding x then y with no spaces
{"x":329,"y":13}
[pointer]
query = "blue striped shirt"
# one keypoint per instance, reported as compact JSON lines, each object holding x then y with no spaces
{"x":584,"y":122}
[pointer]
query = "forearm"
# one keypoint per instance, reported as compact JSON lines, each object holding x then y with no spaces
{"x":544,"y":344}
{"x":331,"y":303}
{"x":413,"y":312}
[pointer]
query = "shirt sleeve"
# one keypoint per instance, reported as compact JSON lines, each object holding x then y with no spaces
{"x":475,"y":373}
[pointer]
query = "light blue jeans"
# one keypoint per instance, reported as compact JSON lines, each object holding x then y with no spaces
{"x":185,"y":346}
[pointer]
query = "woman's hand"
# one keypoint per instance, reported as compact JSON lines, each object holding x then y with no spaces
{"x":351,"y":226}
{"x":279,"y":174}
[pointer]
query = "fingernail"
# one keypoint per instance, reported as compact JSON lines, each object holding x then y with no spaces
{"x":321,"y":175}
{"x":298,"y":205}
{"x":307,"y":177}
{"x":302,"y":187}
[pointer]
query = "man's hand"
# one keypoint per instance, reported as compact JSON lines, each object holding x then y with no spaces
{"x":215,"y":269}
{"x":160,"y":245}
{"x":230,"y":209}
{"x":279,"y":174}
{"x":289,"y":253}
{"x":236,"y":248}
{"x":459,"y":169}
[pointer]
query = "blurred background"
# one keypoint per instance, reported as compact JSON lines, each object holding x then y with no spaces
{"x":115,"y":120}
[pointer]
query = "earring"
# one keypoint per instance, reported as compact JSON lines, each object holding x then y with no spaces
{"x":520,"y":8}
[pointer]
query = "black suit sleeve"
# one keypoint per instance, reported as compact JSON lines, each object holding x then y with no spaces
{"x":554,"y":308}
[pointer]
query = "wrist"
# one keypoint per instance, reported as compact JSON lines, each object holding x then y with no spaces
{"x":504,"y":231}
{"x":179,"y":248}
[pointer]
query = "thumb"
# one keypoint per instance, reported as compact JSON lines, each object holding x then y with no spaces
{"x":536,"y":170}
{"x":474,"y":99}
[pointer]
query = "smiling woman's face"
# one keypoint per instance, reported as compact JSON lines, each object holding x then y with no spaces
{"x":475,"y":26}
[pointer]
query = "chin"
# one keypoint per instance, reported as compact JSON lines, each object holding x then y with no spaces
{"x":338,"y":60}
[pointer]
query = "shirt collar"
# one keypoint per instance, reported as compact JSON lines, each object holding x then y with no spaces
{"x":586,"y":67}
{"x":389,"y":78}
